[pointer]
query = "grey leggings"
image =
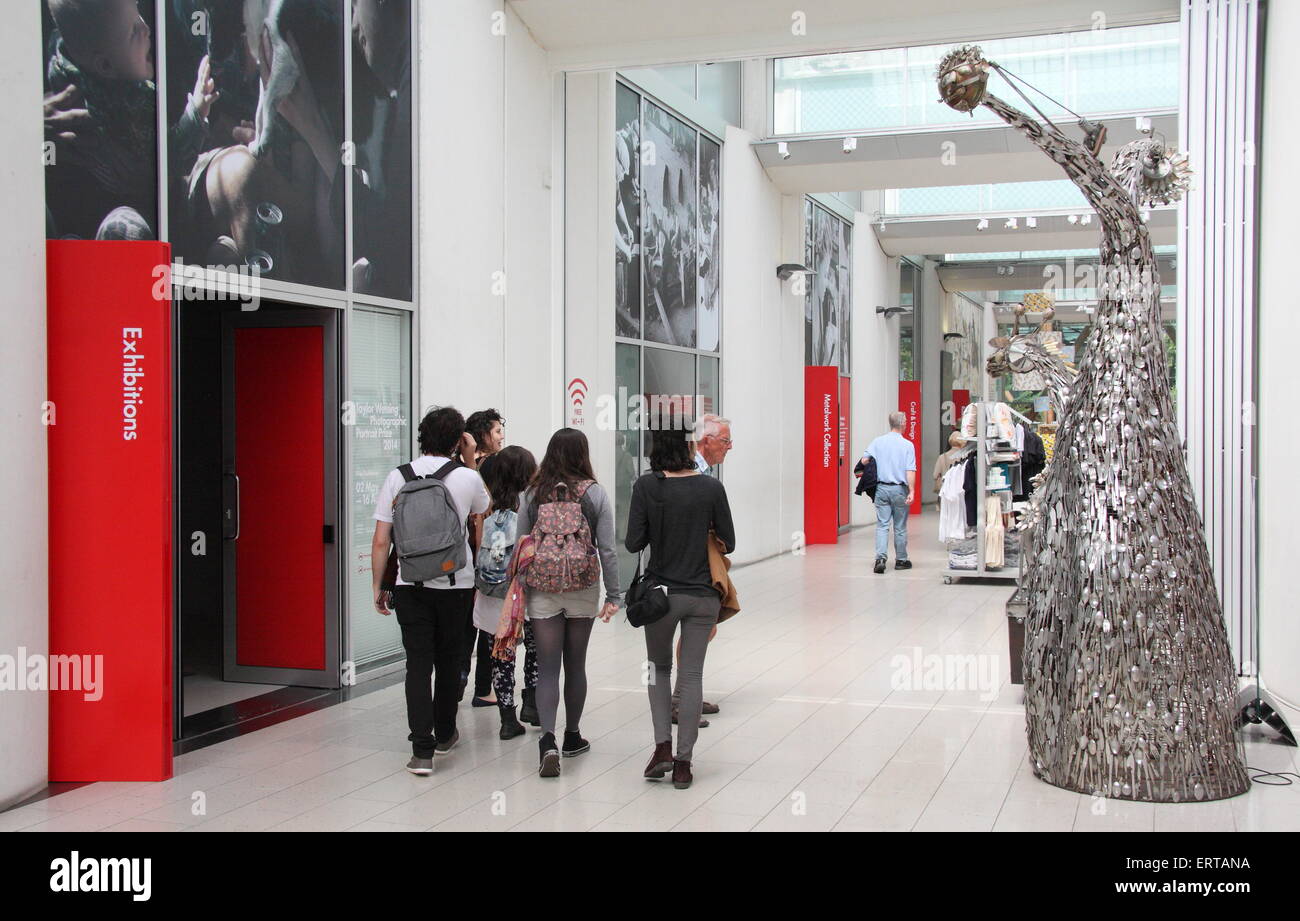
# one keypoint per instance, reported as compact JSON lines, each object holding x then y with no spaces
{"x":561,"y":639}
{"x":697,"y":615}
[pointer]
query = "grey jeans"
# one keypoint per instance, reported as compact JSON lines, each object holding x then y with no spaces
{"x":697,"y":616}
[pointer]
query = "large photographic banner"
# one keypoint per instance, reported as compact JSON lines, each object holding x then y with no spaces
{"x":709,"y":321}
{"x":829,"y":296}
{"x":627,"y":218}
{"x":669,"y":212}
{"x":382,"y":184}
{"x":255,"y":143}
{"x":100,"y":111}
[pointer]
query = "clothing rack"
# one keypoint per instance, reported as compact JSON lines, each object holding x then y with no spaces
{"x":981,"y":570}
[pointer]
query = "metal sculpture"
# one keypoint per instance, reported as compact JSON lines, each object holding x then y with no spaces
{"x":1130,"y":689}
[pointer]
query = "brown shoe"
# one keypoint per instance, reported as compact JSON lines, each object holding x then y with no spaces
{"x":709,"y":708}
{"x":704,"y":724}
{"x":661,"y":762}
{"x":682,"y":774}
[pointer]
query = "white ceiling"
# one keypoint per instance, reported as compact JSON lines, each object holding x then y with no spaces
{"x":938,"y":235}
{"x":906,"y":160}
{"x":600,"y":34}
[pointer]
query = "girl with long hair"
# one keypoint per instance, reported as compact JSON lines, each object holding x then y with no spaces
{"x":572,"y":521}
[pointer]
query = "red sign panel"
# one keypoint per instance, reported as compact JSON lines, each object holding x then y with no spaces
{"x":909,"y":401}
{"x":110,"y":519}
{"x":821,"y":455}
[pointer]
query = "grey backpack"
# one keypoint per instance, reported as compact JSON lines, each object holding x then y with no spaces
{"x":428,"y":532}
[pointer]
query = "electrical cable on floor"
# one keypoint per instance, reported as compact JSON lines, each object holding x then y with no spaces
{"x":1282,"y":781}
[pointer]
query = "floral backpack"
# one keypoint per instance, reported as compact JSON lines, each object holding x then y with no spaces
{"x":565,"y":558}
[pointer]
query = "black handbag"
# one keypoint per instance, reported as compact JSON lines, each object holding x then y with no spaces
{"x":647,"y":601}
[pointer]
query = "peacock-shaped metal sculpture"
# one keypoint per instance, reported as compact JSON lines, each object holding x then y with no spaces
{"x":1130,"y":689}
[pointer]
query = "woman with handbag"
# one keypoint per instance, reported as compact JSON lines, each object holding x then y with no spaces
{"x":673,"y":510}
{"x":506,"y":475}
{"x":570,"y":521}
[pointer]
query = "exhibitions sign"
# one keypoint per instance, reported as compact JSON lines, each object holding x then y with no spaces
{"x":821,"y":454}
{"x":110,"y":519}
{"x":909,"y":401}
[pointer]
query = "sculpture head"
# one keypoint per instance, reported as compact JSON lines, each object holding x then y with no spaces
{"x":1151,"y":173}
{"x":963,"y":77}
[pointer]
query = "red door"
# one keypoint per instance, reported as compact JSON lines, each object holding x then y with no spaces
{"x":281,"y":613}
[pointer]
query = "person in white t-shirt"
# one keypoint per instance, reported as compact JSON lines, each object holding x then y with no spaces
{"x":433,"y":616}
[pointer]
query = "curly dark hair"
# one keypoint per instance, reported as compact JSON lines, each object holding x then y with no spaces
{"x":480,"y":424}
{"x":441,"y":430}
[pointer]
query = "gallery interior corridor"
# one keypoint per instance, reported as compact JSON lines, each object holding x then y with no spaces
{"x":819,"y":730}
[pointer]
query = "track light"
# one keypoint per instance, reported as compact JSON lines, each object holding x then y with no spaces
{"x":850,"y":145}
{"x":783,"y":149}
{"x":1143,"y":124}
{"x":881,"y":227}
{"x":1073,"y":218}
{"x":1085,"y":220}
{"x":1031,"y":222}
{"x":1146,"y":215}
{"x":1011,"y":224}
{"x":983,"y":224}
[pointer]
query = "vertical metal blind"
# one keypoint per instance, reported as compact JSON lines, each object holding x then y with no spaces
{"x":1216,"y":294}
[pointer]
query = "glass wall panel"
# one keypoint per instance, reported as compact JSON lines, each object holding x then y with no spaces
{"x":380,"y":356}
{"x":627,"y":453}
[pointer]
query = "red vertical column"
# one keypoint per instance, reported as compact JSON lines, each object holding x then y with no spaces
{"x":821,"y":455}
{"x":110,"y":516}
{"x":909,"y":401}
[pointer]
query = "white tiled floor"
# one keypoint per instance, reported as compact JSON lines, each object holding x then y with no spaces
{"x":811,"y":737}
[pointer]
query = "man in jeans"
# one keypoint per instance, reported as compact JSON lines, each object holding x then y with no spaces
{"x":896,"y":474}
{"x":433,"y":616}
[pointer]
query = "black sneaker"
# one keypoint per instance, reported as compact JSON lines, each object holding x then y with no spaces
{"x":902,"y":564}
{"x":574,"y":744}
{"x":880,"y":565}
{"x":548,"y":756}
{"x":442,"y":748}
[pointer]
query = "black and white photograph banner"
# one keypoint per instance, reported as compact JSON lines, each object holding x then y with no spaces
{"x":669,"y":227}
{"x":710,"y":288}
{"x":627,"y":227}
{"x":828,"y":249}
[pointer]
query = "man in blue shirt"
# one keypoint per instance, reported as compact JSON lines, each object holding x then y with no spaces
{"x":896,"y":471}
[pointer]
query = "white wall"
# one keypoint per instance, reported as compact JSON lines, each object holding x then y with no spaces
{"x":1279,"y":331}
{"x":24,"y":621}
{"x":488,"y":335}
{"x":874,"y":348}
{"x":762,"y":368}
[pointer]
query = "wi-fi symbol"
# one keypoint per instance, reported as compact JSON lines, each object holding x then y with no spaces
{"x":578,"y":391}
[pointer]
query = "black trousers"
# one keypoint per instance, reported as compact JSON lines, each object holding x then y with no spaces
{"x":483,"y":664}
{"x":433,"y":634}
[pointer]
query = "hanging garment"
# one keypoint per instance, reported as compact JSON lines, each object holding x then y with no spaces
{"x":1018,"y":442}
{"x":972,"y":489}
{"x":1033,"y":461}
{"x":952,"y":504}
{"x":994,"y":533}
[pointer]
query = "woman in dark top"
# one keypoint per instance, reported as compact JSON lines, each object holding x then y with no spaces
{"x":672,"y":511}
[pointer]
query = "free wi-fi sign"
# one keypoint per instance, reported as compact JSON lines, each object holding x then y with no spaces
{"x":577,"y":399}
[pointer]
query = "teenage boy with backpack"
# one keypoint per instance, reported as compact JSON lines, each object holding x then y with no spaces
{"x":421,"y":517}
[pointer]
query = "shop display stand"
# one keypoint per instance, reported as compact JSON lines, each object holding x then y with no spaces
{"x":981,"y":570}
